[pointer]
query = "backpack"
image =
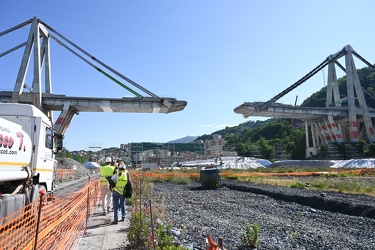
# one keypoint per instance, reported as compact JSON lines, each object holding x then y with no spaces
{"x":128,"y":190}
{"x":111,"y":182}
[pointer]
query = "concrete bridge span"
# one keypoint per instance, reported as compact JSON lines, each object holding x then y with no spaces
{"x":336,"y":122}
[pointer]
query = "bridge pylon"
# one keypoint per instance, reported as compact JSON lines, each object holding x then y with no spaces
{"x":343,"y":119}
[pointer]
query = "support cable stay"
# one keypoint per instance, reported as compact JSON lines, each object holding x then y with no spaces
{"x":100,"y":62}
{"x":302,"y":80}
{"x":95,"y":67}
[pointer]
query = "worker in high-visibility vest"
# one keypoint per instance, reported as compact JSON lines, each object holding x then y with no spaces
{"x":116,"y":166}
{"x":105,"y":171}
{"x":120,"y":178}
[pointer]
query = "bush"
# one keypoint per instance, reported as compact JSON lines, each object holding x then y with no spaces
{"x":320,"y":184}
{"x":180,"y":180}
{"x":251,"y":236}
{"x":298,"y":185}
{"x":164,"y":239}
{"x":139,"y":231}
{"x":231,"y":177}
{"x":129,"y":201}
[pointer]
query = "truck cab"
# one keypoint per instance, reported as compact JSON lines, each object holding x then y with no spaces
{"x":27,"y":152}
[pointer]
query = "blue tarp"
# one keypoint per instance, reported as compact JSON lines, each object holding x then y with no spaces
{"x":91,"y":165}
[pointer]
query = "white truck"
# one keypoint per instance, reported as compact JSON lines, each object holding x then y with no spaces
{"x":28,"y":145}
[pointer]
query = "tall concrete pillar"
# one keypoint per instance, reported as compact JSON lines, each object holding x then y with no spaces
{"x":318,"y":135}
{"x":353,"y":124}
{"x":313,"y":134}
{"x":335,"y":131}
{"x":363,"y":105}
{"x":307,"y":134}
{"x":332,"y":87}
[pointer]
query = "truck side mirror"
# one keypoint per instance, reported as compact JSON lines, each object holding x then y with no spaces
{"x":59,"y":145}
{"x":59,"y":142}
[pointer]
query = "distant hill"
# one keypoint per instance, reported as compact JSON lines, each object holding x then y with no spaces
{"x":241,"y":128}
{"x":186,"y":139}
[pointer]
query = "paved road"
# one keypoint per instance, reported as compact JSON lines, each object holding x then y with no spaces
{"x":101,"y":235}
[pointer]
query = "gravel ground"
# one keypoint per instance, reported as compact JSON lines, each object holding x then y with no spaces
{"x":288,"y":218}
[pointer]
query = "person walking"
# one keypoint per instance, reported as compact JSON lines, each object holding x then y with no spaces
{"x":121,"y":178}
{"x":105,"y":171}
{"x":116,"y":167}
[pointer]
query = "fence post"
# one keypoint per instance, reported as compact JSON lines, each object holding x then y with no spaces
{"x":88,"y":205}
{"x":152,"y":227}
{"x":42,"y":193}
{"x":140,"y":201}
{"x":220,"y":242}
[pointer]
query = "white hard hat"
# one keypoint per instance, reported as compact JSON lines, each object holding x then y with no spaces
{"x":122,"y":166}
{"x":108,"y":159}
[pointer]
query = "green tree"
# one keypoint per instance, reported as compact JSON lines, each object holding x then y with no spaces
{"x":241,"y":149}
{"x":370,"y":150}
{"x":266,"y":149}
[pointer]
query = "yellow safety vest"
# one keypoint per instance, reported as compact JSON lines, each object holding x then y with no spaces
{"x":106,"y":171}
{"x":121,"y":183}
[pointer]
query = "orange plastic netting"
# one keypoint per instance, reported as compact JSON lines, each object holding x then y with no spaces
{"x":65,"y":174}
{"x":63,"y":221}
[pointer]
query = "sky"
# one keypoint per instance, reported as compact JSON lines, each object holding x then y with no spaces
{"x":214,"y":54}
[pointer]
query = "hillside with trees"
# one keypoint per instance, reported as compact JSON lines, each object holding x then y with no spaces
{"x":270,"y":139}
{"x":276,"y":139}
{"x":367,"y":78}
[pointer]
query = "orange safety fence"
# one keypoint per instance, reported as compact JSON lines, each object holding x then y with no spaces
{"x":224,"y":173}
{"x":50,"y":222}
{"x":166,"y":175}
{"x":65,"y":174}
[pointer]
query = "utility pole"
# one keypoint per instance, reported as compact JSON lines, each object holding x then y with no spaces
{"x":95,"y":148}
